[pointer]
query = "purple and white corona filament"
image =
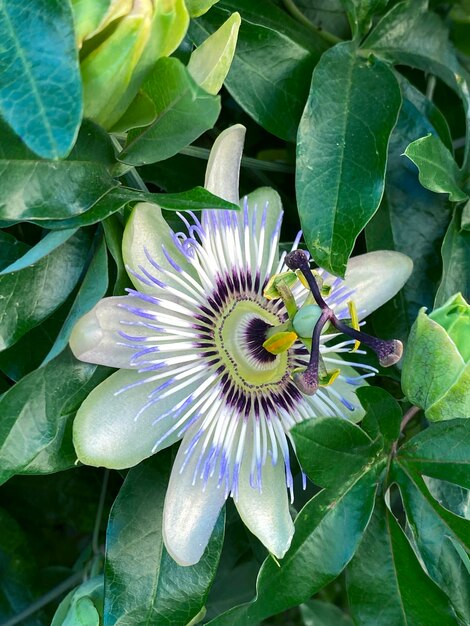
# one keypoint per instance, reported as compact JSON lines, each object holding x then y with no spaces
{"x":190,"y":341}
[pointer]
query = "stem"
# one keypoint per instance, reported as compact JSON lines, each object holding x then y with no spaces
{"x":99,"y":514}
{"x":48,"y":597}
{"x":300,"y":17}
{"x":430,"y":86}
{"x":248,"y":162}
{"x":408,"y":417}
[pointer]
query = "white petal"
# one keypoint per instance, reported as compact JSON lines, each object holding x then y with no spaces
{"x":376,"y":277}
{"x":95,"y":337}
{"x":223,"y":167}
{"x":346,"y":391}
{"x":190,"y":511}
{"x":266,"y":514}
{"x":105,"y":431}
{"x":146,"y":229}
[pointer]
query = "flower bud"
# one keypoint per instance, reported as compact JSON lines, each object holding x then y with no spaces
{"x":210,"y":62}
{"x":92,"y":16}
{"x":436,"y":368}
{"x":114,"y":70}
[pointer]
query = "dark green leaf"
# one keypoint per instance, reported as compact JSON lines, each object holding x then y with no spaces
{"x":151,"y":589}
{"x":327,"y":15}
{"x":386,"y":584}
{"x":360,"y":13}
{"x":452,"y":497}
{"x":410,"y":220}
{"x":10,"y":249}
{"x":456,"y":262}
{"x":33,"y":410}
{"x":411,"y":34}
{"x":24,"y":300}
{"x":36,"y":189}
{"x":40,"y":87}
{"x":316,"y":613}
{"x":328,"y":531}
{"x":432,"y":526}
{"x":342,"y":151}
{"x":269,"y":75}
{"x":17,"y":572}
{"x":267,"y":13}
{"x":31,"y":349}
{"x":113,"y":231}
{"x":184,"y":112}
{"x":47,"y":245}
{"x":59,"y":454}
{"x":331,"y":450}
{"x":92,"y":289}
{"x":437,"y":169}
{"x":383,"y":414}
{"x":441,"y":451}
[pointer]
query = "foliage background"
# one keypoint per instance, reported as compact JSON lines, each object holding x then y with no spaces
{"x":385,"y":118}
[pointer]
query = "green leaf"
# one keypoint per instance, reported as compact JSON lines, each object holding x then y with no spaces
{"x":331,"y":449}
{"x":196,"y":199}
{"x":24,"y":302}
{"x":411,"y":219}
{"x":151,"y":589}
{"x":269,"y":74}
{"x":455,"y":253}
{"x":386,"y":583}
{"x":184,"y":112}
{"x":92,"y":289}
{"x":18,"y":575}
{"x":411,"y":34}
{"x":36,"y":189}
{"x":431,"y":527}
{"x":327,"y":532}
{"x":113,"y":232}
{"x":35,"y":409}
{"x":59,"y":454}
{"x":437,"y":169}
{"x":40,"y":87}
{"x":383,"y":414}
{"x":268,"y":14}
{"x":47,"y":245}
{"x":360,"y":13}
{"x":198,"y":7}
{"x":317,"y":613}
{"x":440,"y":451}
{"x":342,"y":151}
{"x":210,"y":62}
{"x":11,"y":249}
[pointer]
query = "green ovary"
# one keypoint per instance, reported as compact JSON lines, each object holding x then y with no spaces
{"x":230,"y":339}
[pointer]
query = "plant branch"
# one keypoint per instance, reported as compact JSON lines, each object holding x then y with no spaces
{"x":99,"y":514}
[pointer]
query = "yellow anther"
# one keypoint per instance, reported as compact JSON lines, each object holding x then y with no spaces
{"x":329,"y":378}
{"x":354,"y":322}
{"x":280,"y":342}
{"x":271,"y":291}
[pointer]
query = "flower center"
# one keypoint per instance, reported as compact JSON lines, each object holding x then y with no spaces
{"x":239,"y":335}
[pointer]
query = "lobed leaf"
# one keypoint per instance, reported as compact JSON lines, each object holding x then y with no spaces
{"x":385,"y":581}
